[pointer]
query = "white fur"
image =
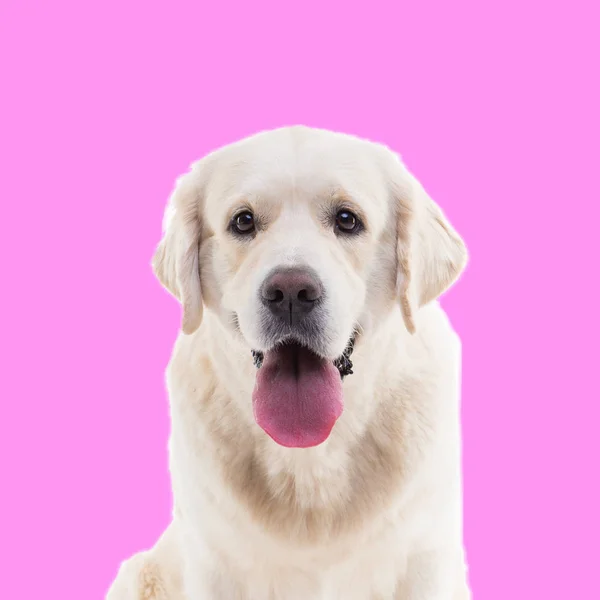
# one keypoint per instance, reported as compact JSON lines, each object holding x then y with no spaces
{"x":304,"y":526}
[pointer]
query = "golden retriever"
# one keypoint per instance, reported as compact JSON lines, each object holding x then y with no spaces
{"x":315,"y":450}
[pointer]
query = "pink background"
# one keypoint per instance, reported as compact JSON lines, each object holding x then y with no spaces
{"x":494,"y":105}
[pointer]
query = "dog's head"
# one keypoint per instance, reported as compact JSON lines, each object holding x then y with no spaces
{"x":295,"y":238}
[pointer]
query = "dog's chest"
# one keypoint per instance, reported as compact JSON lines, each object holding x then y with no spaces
{"x":369,"y":570}
{"x":372,"y":573}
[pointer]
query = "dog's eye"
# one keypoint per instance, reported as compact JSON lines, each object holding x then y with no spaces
{"x":243,"y":222}
{"x":347,"y":222}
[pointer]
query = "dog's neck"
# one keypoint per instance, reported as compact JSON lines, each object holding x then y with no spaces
{"x":321,"y":482}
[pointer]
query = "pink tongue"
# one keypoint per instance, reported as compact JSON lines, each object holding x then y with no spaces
{"x":298,"y":397}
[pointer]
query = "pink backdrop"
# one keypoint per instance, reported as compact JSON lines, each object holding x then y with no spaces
{"x":494,"y":105}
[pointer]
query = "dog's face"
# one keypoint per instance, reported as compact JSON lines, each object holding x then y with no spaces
{"x":301,"y":237}
{"x":295,"y":231}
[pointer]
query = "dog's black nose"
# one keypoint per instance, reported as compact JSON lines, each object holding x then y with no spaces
{"x":290,"y":294}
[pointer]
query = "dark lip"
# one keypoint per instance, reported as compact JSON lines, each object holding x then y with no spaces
{"x":291,"y":343}
{"x":343,"y":363}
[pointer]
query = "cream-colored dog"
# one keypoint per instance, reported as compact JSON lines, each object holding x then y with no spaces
{"x":315,"y":445}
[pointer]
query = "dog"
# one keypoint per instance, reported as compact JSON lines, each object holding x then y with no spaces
{"x":315,"y":450}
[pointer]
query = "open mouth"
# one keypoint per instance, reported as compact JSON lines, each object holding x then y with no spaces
{"x":343,"y":362}
{"x":298,"y":395}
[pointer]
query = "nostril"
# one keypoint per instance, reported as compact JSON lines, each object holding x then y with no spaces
{"x":273,"y":295}
{"x":276,"y":296}
{"x":307,"y":295}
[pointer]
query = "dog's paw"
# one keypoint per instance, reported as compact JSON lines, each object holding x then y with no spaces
{"x":139,"y":578}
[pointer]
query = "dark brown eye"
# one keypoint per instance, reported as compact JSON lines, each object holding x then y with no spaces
{"x":347,"y":222}
{"x":243,"y":222}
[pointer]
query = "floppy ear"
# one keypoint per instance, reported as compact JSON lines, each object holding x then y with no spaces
{"x":175,"y":261}
{"x":431,"y":255}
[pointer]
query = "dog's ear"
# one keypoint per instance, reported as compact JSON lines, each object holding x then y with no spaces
{"x":431,"y":255}
{"x":176,"y":259}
